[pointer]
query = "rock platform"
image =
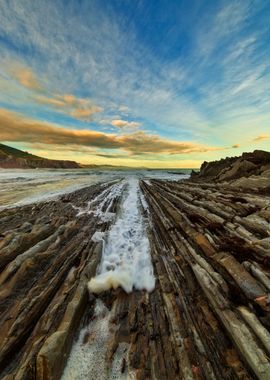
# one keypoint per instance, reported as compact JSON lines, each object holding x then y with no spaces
{"x":207,"y":318}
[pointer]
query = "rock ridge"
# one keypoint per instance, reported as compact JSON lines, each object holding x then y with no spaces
{"x":255,"y":165}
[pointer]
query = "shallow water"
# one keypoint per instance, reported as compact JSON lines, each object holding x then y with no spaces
{"x":88,"y":357}
{"x":22,"y":186}
{"x":126,"y":258}
{"x":126,"y":262}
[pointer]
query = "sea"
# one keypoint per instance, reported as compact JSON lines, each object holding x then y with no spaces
{"x":126,"y":255}
{"x":25,"y":186}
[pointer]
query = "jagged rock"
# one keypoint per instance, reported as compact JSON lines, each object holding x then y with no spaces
{"x":45,"y":269}
{"x":207,"y":318}
{"x":53,"y":354}
{"x":258,"y":157}
{"x":234,"y":170}
{"x":212,"y":169}
{"x":240,"y":168}
{"x":221,"y":276}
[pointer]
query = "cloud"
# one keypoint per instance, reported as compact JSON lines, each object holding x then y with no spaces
{"x":123,"y":109}
{"x":78,"y":108}
{"x":25,"y":77}
{"x":185,"y":97}
{"x":85,"y":114}
{"x":261,"y":138}
{"x":104,"y":122}
{"x":124,"y":123}
{"x":142,"y":143}
{"x":87,"y":62}
{"x":236,"y":146}
{"x":15,"y":127}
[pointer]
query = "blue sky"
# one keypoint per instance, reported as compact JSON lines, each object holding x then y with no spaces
{"x":155,"y":83}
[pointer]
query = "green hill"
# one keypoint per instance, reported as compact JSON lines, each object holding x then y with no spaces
{"x":15,"y":158}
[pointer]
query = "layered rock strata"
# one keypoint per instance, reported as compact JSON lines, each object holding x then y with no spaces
{"x":249,"y":170}
{"x":207,"y":318}
{"x":47,"y":257}
{"x":211,"y":253}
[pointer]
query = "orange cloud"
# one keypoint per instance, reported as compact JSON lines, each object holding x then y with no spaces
{"x":25,"y":77}
{"x":78,"y":108}
{"x":261,"y":138}
{"x":125,"y":123}
{"x":50,"y":101}
{"x":142,"y":143}
{"x":85,"y":113}
{"x":15,"y":127}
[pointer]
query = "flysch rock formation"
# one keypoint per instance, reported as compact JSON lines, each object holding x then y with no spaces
{"x":207,"y":317}
{"x":47,"y":258}
{"x":212,"y":249}
{"x":249,"y":170}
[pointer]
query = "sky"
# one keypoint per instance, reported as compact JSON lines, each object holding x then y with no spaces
{"x":152,"y":83}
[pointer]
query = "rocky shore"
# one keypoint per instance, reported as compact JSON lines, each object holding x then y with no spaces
{"x":208,"y":316}
{"x":211,"y":253}
{"x":249,"y":171}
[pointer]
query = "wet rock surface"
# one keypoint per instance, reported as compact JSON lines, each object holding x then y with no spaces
{"x":206,"y":241}
{"x":207,"y":317}
{"x":47,"y":257}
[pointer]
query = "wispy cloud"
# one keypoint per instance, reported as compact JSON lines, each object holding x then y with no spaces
{"x":205,"y":78}
{"x":261,"y":138}
{"x":124,"y":123}
{"x":79,"y":108}
{"x":123,"y":108}
{"x":24,"y":76}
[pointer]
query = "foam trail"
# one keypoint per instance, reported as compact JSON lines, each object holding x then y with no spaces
{"x":107,"y":196}
{"x":89,"y":355}
{"x":126,"y":260}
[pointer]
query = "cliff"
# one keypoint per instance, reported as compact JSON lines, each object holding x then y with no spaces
{"x":249,"y":168}
{"x":11,"y":158}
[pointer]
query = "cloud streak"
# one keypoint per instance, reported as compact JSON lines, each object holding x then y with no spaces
{"x":125,"y":124}
{"x":14,"y":127}
{"x":79,"y":108}
{"x":25,"y":77}
{"x":202,"y":74}
{"x":82,"y":109}
{"x":261,"y":138}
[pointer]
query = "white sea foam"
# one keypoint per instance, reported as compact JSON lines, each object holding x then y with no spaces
{"x":98,"y":236}
{"x":126,"y":260}
{"x":89,"y":355}
{"x":107,"y":196}
{"x":25,"y":186}
{"x":144,"y":203}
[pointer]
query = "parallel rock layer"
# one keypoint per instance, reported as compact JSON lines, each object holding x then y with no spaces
{"x":207,"y":317}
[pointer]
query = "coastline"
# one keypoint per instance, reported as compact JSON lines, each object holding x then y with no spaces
{"x":208,"y":312}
